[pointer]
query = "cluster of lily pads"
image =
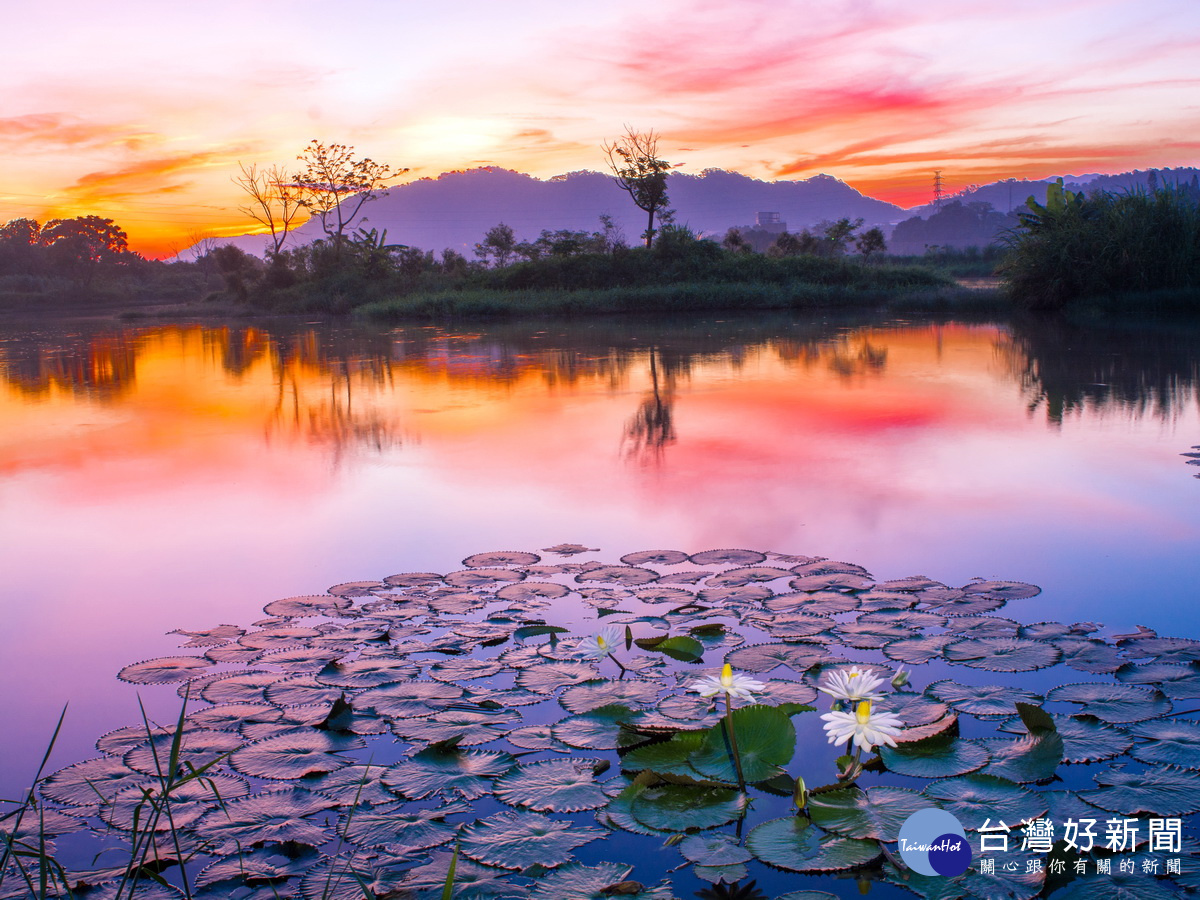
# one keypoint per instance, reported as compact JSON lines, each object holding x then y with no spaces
{"x":1193,"y":458}
{"x":551,"y":726}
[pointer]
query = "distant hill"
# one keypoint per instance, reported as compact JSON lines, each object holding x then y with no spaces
{"x":454,"y":210}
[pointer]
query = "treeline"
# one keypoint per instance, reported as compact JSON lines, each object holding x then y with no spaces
{"x":82,"y":259}
{"x":361,"y":269}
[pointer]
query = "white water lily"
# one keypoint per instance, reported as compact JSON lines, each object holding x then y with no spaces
{"x":603,"y":644}
{"x":851,"y":685}
{"x":740,"y":686}
{"x":866,"y":728}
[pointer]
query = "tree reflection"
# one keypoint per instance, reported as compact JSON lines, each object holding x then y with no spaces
{"x":1139,"y":369}
{"x":652,"y":427}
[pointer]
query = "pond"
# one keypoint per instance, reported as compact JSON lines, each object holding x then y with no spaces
{"x":183,"y":476}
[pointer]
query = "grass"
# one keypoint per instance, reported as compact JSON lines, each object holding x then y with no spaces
{"x":661,"y":298}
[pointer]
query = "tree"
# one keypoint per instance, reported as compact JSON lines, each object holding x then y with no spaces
{"x":335,"y":184}
{"x":640,"y":173}
{"x":871,"y":241}
{"x":839,"y":234}
{"x":498,"y":245}
{"x":83,"y":244}
{"x":275,"y":200}
{"x":19,"y":250}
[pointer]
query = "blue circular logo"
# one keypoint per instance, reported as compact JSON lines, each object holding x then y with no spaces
{"x":933,"y":842}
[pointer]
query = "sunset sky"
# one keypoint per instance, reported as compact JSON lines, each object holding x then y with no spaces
{"x":141,"y":111}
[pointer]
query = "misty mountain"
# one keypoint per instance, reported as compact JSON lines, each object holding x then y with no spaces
{"x":454,"y":210}
{"x":1012,"y":193}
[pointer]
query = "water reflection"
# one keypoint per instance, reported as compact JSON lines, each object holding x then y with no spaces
{"x":1065,"y":368}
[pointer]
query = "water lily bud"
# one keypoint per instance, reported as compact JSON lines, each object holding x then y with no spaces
{"x":800,"y":793}
{"x":900,"y":679}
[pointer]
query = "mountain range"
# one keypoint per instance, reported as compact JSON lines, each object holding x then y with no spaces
{"x":455,"y":209}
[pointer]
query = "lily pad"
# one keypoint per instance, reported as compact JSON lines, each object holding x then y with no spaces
{"x":1116,"y":703}
{"x":875,"y":814}
{"x":681,"y":807}
{"x":981,"y":700}
{"x":942,"y":756}
{"x":1003,"y":654}
{"x":556,"y":785}
{"x":594,"y":694}
{"x":270,"y":816}
{"x":728,"y":558}
{"x":1029,"y":759}
{"x":164,"y":669}
{"x":655,"y":558}
{"x":501,"y":558}
{"x":575,"y":881}
{"x":975,"y":798}
{"x":449,"y":771}
{"x":517,"y":840}
{"x":624,"y":575}
{"x":713,"y":849}
{"x":1159,"y":792}
{"x":294,"y":754}
{"x":1085,"y":739}
{"x":766,"y":657}
{"x":404,"y":831}
{"x":599,"y":729}
{"x":766,"y":741}
{"x":1172,"y":742}
{"x":794,"y":844}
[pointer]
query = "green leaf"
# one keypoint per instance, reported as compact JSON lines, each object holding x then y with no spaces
{"x":793,"y":843}
{"x":666,"y":757}
{"x":681,"y":647}
{"x":1036,"y":719}
{"x":766,"y":741}
{"x":680,"y":807}
{"x":940,"y":756}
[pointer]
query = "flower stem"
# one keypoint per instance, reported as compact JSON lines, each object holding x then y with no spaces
{"x":737,"y":757}
{"x":620,"y":666}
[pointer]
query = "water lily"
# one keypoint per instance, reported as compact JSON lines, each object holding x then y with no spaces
{"x":601,"y":645}
{"x":900,"y":679}
{"x":865,"y":728}
{"x":740,"y":686}
{"x":851,"y":685}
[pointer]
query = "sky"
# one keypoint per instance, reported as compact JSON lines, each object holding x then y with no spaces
{"x":141,"y":111}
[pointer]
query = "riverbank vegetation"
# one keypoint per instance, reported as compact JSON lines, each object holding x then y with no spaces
{"x":1124,"y":251}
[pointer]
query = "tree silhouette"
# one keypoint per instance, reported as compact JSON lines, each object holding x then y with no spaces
{"x":640,"y":173}
{"x":335,"y":184}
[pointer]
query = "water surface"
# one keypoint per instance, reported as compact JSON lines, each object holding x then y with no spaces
{"x":155,"y":477}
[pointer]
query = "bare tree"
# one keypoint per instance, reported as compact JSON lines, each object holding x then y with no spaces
{"x":336,"y":184}
{"x":275,"y":200}
{"x":634,"y":161}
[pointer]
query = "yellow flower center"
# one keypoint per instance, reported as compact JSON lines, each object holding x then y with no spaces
{"x":863,"y":713}
{"x":601,"y":642}
{"x":727,"y":675}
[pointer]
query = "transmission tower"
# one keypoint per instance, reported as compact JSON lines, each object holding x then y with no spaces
{"x":937,"y":188}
